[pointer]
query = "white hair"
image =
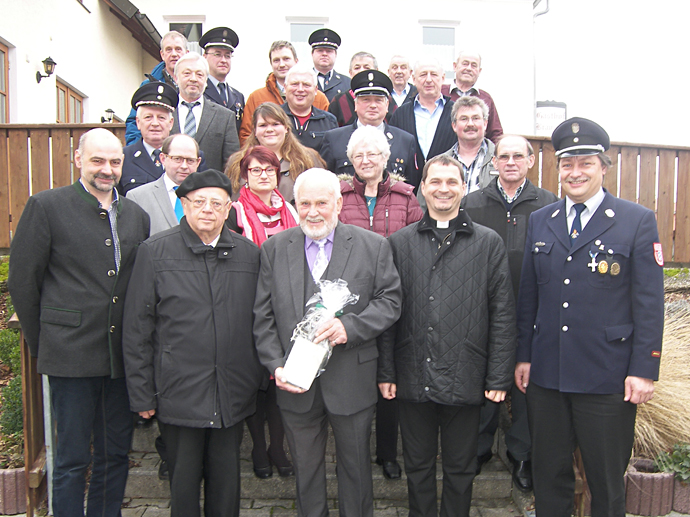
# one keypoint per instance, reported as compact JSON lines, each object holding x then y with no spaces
{"x":369,"y":135}
{"x":301,"y":68}
{"x":193,"y":57}
{"x":315,"y":175}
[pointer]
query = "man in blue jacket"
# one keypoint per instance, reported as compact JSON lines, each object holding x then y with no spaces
{"x":590,"y":324}
{"x":173,"y":47}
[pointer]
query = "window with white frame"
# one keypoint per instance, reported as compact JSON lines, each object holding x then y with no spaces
{"x":439,"y":42}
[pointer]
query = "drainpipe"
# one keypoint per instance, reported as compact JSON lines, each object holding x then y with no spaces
{"x":534,"y":62}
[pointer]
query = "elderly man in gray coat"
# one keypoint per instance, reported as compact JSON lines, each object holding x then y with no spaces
{"x":345,"y":394}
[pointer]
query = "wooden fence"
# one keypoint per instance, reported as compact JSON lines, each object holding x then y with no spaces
{"x":40,"y":156}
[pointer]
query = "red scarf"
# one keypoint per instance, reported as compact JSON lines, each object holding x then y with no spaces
{"x":253,"y":205}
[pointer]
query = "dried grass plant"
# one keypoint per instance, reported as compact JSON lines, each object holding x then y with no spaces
{"x":665,"y":420}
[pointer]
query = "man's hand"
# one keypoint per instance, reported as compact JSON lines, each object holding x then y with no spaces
{"x":147,"y":414}
{"x":495,"y":395}
{"x":522,"y":376}
{"x":388,"y":390}
{"x":638,"y":390}
{"x":332,"y":330}
{"x":282,"y":384}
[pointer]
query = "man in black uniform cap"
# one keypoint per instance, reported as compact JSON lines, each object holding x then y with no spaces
{"x":154,"y":103}
{"x":219,"y":45}
{"x":371,"y":89}
{"x":324,"y":49}
{"x":590,"y":322}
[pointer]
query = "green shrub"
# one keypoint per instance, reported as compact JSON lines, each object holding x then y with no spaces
{"x":4,"y":269}
{"x":11,"y":418}
{"x":10,"y":352}
{"x":676,"y":462}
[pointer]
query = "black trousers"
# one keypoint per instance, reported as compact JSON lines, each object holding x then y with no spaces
{"x":419,"y":426}
{"x":386,"y":429}
{"x":602,"y":425}
{"x":517,"y":436}
{"x":209,"y":454}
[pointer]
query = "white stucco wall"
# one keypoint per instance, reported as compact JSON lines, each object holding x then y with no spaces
{"x":501,"y":30}
{"x":95,"y":54}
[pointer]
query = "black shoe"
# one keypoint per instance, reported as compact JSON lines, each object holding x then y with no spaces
{"x":522,"y":474}
{"x":163,"y":473}
{"x":483,"y":460}
{"x":263,"y":472}
{"x":143,"y":423}
{"x":391,"y":469}
{"x":285,"y":470}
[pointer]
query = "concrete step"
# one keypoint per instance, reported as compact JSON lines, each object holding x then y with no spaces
{"x":493,"y":483}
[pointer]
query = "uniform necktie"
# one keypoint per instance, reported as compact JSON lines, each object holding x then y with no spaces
{"x":223,"y":94}
{"x":190,"y":121}
{"x":178,"y":207}
{"x":321,"y":262}
{"x":577,"y":225}
{"x":157,"y":157}
{"x":325,"y":79}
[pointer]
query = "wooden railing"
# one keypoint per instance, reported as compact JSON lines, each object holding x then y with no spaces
{"x":39,"y":157}
{"x":36,"y":157}
{"x":654,"y":176}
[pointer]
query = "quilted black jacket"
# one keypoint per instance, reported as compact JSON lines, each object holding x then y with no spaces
{"x":456,"y":335}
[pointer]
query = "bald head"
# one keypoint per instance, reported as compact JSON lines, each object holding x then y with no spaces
{"x":99,"y":156}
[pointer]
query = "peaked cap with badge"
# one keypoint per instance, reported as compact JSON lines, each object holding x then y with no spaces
{"x":579,"y":137}
{"x":155,"y":94}
{"x":220,"y":37}
{"x":371,"y":82}
{"x":324,"y":38}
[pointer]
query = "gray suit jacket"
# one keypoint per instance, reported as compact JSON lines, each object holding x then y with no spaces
{"x":217,"y":134}
{"x":154,"y":199}
{"x":364,"y":260}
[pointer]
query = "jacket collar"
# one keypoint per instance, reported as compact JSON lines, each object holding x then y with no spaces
{"x":194,"y":243}
{"x":461,"y":224}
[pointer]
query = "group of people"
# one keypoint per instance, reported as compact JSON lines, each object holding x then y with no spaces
{"x":168,"y":281}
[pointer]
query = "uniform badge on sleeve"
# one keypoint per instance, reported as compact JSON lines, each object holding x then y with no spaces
{"x":658,"y":254}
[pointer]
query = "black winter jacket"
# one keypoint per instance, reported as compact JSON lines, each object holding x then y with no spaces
{"x":486,"y":207}
{"x":456,"y":335}
{"x":188,"y":342}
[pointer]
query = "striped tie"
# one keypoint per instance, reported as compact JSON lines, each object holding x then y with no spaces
{"x":190,"y":121}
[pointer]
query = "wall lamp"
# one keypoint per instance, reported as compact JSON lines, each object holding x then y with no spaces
{"x":48,"y":66}
{"x":108,"y":116}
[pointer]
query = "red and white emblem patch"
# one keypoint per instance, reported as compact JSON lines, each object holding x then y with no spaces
{"x":658,"y":254}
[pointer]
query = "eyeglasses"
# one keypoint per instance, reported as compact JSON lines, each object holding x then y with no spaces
{"x":219,"y":55}
{"x":216,"y":204}
{"x":179,"y":159}
{"x":368,"y":156}
{"x":257,"y":171}
{"x":517,"y":158}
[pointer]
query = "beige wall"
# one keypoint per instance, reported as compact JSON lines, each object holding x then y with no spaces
{"x":94,"y":52}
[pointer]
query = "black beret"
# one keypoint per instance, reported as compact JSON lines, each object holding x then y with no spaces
{"x":579,"y":137}
{"x":155,"y":94}
{"x":220,"y":37}
{"x":324,"y":38}
{"x":371,"y":82}
{"x":204,"y":179}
